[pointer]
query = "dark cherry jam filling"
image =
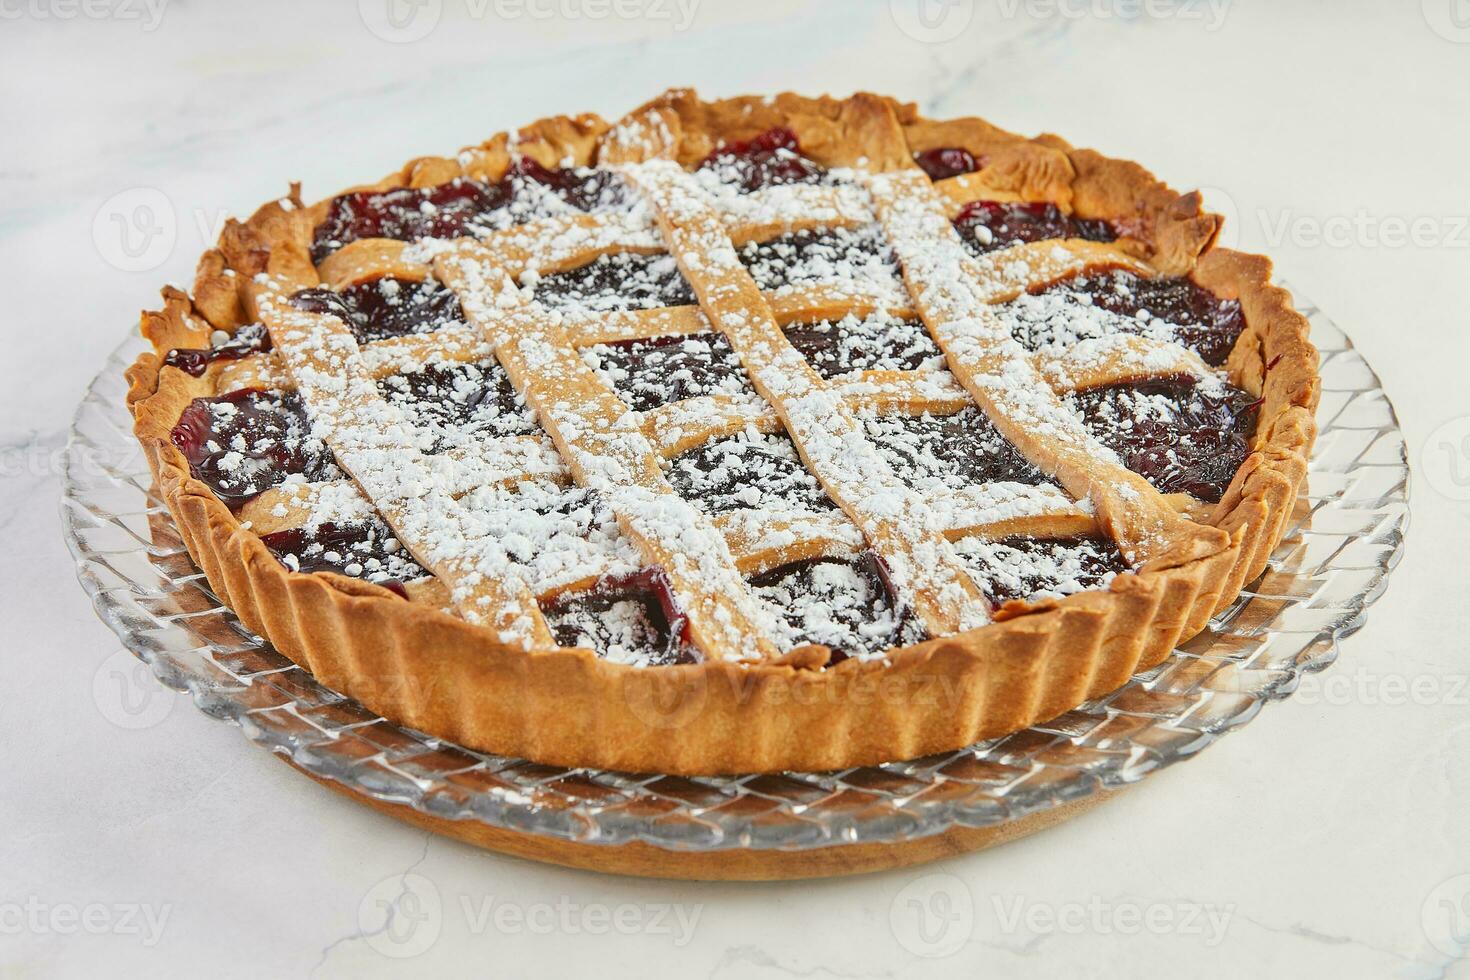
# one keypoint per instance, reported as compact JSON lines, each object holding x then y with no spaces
{"x":963,"y":449}
{"x":815,"y":256}
{"x":1109,"y":301}
{"x":243,"y":443}
{"x":624,"y":618}
{"x":847,"y":605}
{"x":773,"y":157}
{"x":406,"y":213}
{"x":661,"y":370}
{"x":585,"y":190}
{"x":459,"y":207}
{"x":747,"y":471}
{"x":1029,"y":568}
{"x":252,"y":338}
{"x":385,"y":307}
{"x":985,"y":226}
{"x":359,"y":549}
{"x":459,"y":403}
{"x":1197,"y":318}
{"x":1181,"y":436}
{"x":622,"y":281}
{"x":948,"y":161}
{"x":875,"y":343}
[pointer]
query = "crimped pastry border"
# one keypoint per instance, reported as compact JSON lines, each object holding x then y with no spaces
{"x":427,"y":669}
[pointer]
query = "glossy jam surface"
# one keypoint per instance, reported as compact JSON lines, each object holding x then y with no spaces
{"x":243,"y":443}
{"x":872,"y":343}
{"x":1197,"y":318}
{"x":360,"y":549}
{"x":944,"y":162}
{"x":1034,"y":568}
{"x":750,"y":470}
{"x":985,"y":226}
{"x":385,"y":307}
{"x":625,"y":619}
{"x":406,"y":214}
{"x":659,"y":370}
{"x":583,"y":189}
{"x":807,"y":257}
{"x":846,"y":604}
{"x":624,"y":281}
{"x":251,"y":338}
{"x":773,"y":157}
{"x":949,"y":451}
{"x":1113,"y":301}
{"x":461,"y":206}
{"x":459,"y":404}
{"x":1181,"y":436}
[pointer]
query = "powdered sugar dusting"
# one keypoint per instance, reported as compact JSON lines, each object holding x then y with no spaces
{"x":920,"y":561}
{"x":451,"y":450}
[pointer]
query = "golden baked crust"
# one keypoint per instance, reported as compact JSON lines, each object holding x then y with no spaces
{"x":425,"y":667}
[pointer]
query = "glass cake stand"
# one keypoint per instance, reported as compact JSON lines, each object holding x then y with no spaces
{"x":1344,"y":539}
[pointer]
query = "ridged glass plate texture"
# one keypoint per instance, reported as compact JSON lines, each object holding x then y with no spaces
{"x":1344,"y":539}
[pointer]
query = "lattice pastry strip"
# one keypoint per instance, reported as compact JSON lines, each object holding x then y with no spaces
{"x":680,"y":425}
{"x":894,"y":519}
{"x":563,"y":242}
{"x":1001,"y":376}
{"x":607,"y":451}
{"x":373,"y":443}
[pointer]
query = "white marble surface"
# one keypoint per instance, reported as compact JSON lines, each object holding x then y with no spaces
{"x":1325,"y":838}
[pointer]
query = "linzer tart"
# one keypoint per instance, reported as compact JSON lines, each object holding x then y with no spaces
{"x":734,"y":436}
